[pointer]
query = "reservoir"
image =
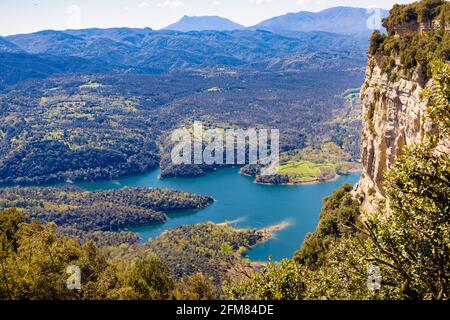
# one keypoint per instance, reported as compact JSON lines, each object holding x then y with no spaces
{"x":243,"y":203}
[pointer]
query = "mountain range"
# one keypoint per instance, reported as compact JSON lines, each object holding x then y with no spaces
{"x":204,"y":23}
{"x":158,"y":51}
{"x":341,"y":20}
{"x":287,"y":43}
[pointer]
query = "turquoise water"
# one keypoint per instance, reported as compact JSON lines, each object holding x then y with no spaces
{"x":240,"y":200}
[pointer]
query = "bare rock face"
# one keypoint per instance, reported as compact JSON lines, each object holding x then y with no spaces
{"x":394,"y":113}
{"x":394,"y":118}
{"x":421,"y":27}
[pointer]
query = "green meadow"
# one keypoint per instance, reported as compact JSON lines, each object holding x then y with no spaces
{"x":306,"y":171}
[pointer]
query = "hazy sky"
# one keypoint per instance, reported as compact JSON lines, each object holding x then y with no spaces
{"x":23,"y":16}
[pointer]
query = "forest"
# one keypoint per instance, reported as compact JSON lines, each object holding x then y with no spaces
{"x":113,"y":122}
{"x":92,"y":215}
{"x":34,"y":259}
{"x":88,"y":128}
{"x":210,"y":249}
{"x":416,"y":50}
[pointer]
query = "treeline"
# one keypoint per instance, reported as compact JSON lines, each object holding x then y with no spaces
{"x":171,"y":170}
{"x":86,"y":128}
{"x":164,"y":200}
{"x":205,"y":248}
{"x":419,"y":11}
{"x":80,"y":213}
{"x":413,"y":49}
{"x":185,"y":263}
{"x":55,"y":132}
{"x":34,"y":262}
{"x":100,"y":238}
{"x":149,"y":51}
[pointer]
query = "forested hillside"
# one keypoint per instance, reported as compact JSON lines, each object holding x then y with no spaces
{"x":213,"y":250}
{"x":87,"y":128}
{"x":159,"y":51}
{"x":111,"y":96}
{"x":34,"y":261}
{"x":107,"y":100}
{"x":91,"y":215}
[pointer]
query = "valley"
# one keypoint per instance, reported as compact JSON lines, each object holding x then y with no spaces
{"x":357,"y":209}
{"x":241,"y":204}
{"x":84,"y":139}
{"x":106,"y":127}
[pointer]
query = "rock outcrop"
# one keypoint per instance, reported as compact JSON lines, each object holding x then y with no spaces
{"x":394,"y":113}
{"x":421,"y":27}
{"x":394,"y":118}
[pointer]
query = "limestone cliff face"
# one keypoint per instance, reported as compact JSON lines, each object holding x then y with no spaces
{"x":394,"y":118}
{"x":422,"y":27}
{"x":394,"y":113}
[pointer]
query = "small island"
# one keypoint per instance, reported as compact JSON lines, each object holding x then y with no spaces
{"x":308,"y":165}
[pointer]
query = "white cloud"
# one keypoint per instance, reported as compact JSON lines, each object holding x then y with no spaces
{"x":144,"y":4}
{"x":260,"y":2}
{"x":216,"y":3}
{"x":312,"y":2}
{"x":171,"y":4}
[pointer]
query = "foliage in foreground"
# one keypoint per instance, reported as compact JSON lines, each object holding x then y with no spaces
{"x":414,"y":50}
{"x":408,"y":239}
{"x":33,"y":262}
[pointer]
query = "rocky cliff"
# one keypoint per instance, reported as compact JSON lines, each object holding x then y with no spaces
{"x":394,"y":117}
{"x":394,"y":113}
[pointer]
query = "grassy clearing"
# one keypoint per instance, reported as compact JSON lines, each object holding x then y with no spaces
{"x":305,"y":171}
{"x":91,"y":85}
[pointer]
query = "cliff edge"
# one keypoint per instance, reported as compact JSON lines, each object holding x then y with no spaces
{"x":399,"y":68}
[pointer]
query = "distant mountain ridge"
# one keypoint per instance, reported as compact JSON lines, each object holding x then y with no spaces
{"x":159,"y":51}
{"x":341,"y":20}
{"x":15,"y":67}
{"x":6,"y":46}
{"x":204,"y":23}
{"x":277,"y":44}
{"x":43,"y":53}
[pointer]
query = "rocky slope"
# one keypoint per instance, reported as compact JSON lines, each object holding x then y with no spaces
{"x":395,"y":114}
{"x":394,"y":118}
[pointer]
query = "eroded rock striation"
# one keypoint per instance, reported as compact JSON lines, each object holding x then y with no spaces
{"x":394,"y":111}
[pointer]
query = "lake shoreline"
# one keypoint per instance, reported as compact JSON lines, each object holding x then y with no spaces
{"x":270,"y":231}
{"x":303,"y":183}
{"x":240,"y":202}
{"x":267,"y":234}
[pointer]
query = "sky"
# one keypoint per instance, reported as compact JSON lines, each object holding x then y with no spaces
{"x":24,"y":16}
